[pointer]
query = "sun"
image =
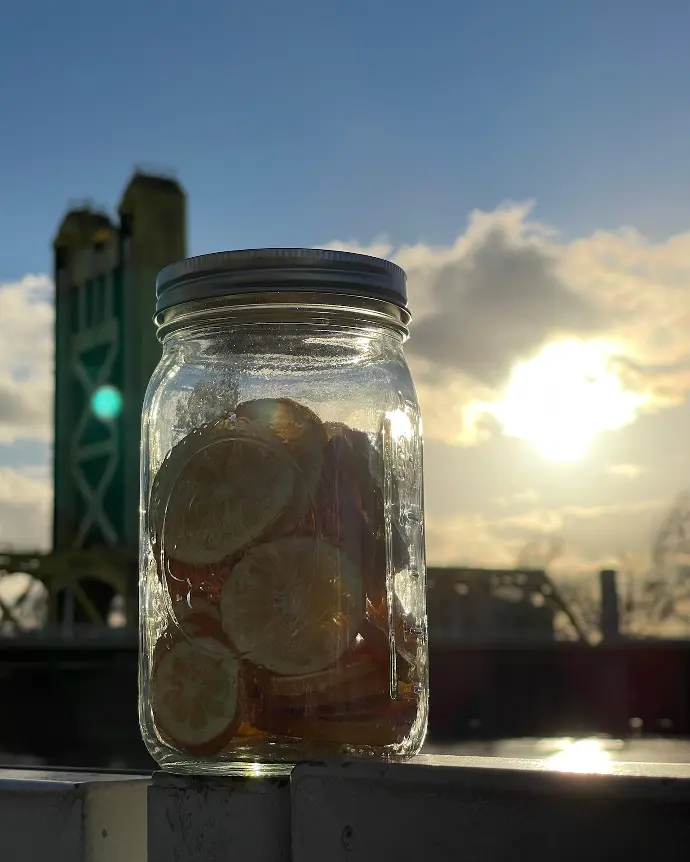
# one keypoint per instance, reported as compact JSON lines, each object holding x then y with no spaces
{"x":562,"y":398}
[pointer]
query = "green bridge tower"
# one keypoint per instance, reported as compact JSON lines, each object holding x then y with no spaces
{"x":105,"y":351}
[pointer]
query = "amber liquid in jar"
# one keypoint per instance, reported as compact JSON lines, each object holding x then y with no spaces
{"x":274,"y":550}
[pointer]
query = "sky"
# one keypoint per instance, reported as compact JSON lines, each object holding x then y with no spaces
{"x":526,"y":161}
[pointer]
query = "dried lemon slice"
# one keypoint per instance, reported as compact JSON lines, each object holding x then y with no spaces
{"x":302,"y":432}
{"x":361,"y":680}
{"x":389,"y":725}
{"x":195,"y":698}
{"x":165,"y":478}
{"x":223,"y":496}
{"x":195,"y":615}
{"x":357,"y":460}
{"x":293,"y":606}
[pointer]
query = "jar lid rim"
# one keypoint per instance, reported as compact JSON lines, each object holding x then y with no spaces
{"x":256,"y":270}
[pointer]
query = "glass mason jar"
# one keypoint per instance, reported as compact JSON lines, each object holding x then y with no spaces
{"x":283,"y":607}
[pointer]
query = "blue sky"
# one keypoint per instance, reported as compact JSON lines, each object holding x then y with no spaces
{"x":400,"y":124}
{"x":296,"y":123}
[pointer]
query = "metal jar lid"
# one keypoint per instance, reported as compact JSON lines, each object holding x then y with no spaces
{"x":273,"y":269}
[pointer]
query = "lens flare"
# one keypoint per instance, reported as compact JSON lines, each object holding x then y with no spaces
{"x":106,"y":403}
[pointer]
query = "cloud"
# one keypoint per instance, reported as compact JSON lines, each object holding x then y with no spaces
{"x":642,"y":288}
{"x":588,"y":538}
{"x":19,"y":409}
{"x":26,"y":406}
{"x":535,"y":521}
{"x":26,"y":498}
{"x":615,"y":509}
{"x":529,"y":495}
{"x":26,"y":359}
{"x":612,"y":287}
{"x":508,"y":286}
{"x":496,"y":303}
{"x":625,"y":471}
{"x":468,"y":540}
{"x":452,"y":405}
{"x":490,"y":298}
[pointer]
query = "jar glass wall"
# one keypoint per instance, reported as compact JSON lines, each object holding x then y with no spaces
{"x":282,"y":581}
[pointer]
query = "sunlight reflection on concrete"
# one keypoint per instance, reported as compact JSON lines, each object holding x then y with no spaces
{"x":581,"y":755}
{"x":573,"y":754}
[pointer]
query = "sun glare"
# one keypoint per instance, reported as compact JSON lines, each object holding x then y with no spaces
{"x":581,"y":755}
{"x":563,"y":397}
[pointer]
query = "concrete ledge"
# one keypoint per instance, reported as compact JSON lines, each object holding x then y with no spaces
{"x":441,"y":808}
{"x":72,"y":816}
{"x":486,"y":809}
{"x":205,"y":819}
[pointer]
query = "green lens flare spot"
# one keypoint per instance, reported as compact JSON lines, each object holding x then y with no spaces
{"x":106,"y":403}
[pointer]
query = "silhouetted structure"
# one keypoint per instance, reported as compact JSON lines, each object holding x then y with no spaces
{"x":610,"y":617}
{"x":104,"y":301}
{"x":494,"y":606}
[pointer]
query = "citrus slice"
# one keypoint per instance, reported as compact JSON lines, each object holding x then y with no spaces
{"x":340,"y":484}
{"x":350,"y":467}
{"x":302,"y":432}
{"x":293,"y":606}
{"x":196,"y":616}
{"x":337,"y":519}
{"x":336,"y":515}
{"x":354,"y":454}
{"x":358,"y":675}
{"x":340,"y":462}
{"x":388,"y":725}
{"x":166,"y":475}
{"x":207,"y":581}
{"x":194,"y":594}
{"x":357,"y":686}
{"x":195,"y":694}
{"x":223,"y":497}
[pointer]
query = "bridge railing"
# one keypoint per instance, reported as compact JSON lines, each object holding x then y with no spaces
{"x":38,"y":589}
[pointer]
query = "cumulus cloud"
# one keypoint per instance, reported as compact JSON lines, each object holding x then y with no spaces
{"x":26,"y":404}
{"x":496,"y":303}
{"x":26,"y":497}
{"x":502,"y":293}
{"x":529,"y":495}
{"x":626,"y":471}
{"x":467,"y":539}
{"x":588,"y":537}
{"x":18,"y":410}
{"x":504,"y":290}
{"x":508,"y":286}
{"x":26,"y":359}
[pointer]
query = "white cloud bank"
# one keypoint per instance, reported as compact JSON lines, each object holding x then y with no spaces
{"x":26,"y":499}
{"x":26,"y":359}
{"x":26,"y":410}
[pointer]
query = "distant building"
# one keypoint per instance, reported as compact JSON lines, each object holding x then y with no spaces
{"x":491,"y":606}
{"x":105,"y":351}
